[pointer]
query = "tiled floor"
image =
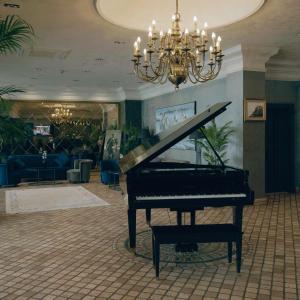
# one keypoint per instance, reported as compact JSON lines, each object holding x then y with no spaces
{"x":72,"y":254}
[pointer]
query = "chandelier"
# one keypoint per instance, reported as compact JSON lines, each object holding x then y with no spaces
{"x":61,"y":114}
{"x":178,"y":56}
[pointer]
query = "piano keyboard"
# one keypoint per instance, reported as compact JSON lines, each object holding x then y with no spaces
{"x":178,"y":197}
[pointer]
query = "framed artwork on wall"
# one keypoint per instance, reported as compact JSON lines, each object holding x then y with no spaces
{"x":168,"y":117}
{"x":255,"y":110}
{"x":112,"y":145}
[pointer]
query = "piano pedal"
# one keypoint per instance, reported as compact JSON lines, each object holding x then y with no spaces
{"x":186,"y":247}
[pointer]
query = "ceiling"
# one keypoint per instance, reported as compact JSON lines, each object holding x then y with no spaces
{"x":80,"y":56}
{"x":119,"y":12}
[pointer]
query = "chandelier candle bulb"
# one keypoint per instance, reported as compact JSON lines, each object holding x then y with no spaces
{"x":186,"y":35}
{"x":153,"y":25}
{"x":161,"y":34}
{"x":195,"y":23}
{"x":219,"y":40}
{"x":169,"y":38}
{"x":203,"y":35}
{"x":145,"y":56}
{"x":211,"y":49}
{"x":213,"y":37}
{"x":138,"y":43}
{"x":135,"y":48}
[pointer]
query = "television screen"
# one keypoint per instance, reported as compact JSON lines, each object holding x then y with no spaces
{"x":41,"y":130}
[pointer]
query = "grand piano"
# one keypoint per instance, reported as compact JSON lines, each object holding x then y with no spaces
{"x":178,"y":186}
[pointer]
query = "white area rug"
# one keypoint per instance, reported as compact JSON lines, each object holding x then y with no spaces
{"x":53,"y":198}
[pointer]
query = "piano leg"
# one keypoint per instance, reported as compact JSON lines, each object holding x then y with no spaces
{"x":193,"y":217}
{"x":179,"y":217}
{"x":132,"y":226}
{"x":238,"y":216}
{"x":148,"y":216}
{"x":238,"y":221}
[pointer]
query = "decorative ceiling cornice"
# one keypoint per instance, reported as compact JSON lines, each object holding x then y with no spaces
{"x":283,"y":69}
{"x":74,"y":94}
{"x":255,"y":58}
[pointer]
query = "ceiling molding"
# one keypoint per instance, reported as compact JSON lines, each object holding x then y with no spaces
{"x":255,"y":58}
{"x":74,"y":94}
{"x":283,"y":69}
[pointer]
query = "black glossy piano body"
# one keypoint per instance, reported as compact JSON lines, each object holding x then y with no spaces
{"x":179,"y":186}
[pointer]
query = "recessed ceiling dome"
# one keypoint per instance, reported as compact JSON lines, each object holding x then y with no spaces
{"x":138,"y":14}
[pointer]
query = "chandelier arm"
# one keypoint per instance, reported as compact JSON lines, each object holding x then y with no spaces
{"x":209,"y":75}
{"x":142,"y":75}
{"x":156,"y":69}
{"x":195,"y":71}
{"x":191,"y":78}
{"x":192,"y":74}
{"x":161,"y":71}
{"x":164,"y":78}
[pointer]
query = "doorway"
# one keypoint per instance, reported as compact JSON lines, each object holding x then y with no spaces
{"x":280,"y":148}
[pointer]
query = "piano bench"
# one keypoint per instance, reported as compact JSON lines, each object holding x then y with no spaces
{"x":206,"y":233}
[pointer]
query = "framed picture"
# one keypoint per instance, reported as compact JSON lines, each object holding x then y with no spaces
{"x":168,"y":117}
{"x":112,"y":145}
{"x":255,"y":110}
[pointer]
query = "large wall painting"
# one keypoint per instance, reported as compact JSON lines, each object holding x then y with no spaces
{"x":167,"y":117}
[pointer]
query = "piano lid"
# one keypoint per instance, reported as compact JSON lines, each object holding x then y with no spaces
{"x":166,"y":139}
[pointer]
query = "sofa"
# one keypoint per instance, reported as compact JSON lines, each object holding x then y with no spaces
{"x":24,"y":167}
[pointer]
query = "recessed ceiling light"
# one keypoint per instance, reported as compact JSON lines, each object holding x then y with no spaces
{"x":99,"y":59}
{"x":119,"y":42}
{"x":11,"y":5}
{"x":75,"y":80}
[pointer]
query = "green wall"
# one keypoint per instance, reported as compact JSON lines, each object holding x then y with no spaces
{"x":133,"y":113}
{"x":254,"y":134}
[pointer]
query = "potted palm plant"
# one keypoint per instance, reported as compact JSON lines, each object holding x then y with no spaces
{"x":14,"y":32}
{"x":219,"y":138}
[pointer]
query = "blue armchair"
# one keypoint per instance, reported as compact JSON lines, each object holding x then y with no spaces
{"x":109,"y":171}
